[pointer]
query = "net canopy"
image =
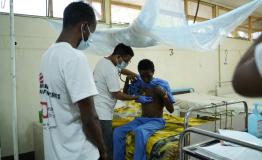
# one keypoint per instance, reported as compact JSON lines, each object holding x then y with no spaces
{"x":164,"y":21}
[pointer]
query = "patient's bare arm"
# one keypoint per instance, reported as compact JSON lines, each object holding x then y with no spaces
{"x":169,"y":106}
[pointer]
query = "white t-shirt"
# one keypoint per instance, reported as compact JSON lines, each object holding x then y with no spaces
{"x":258,"y":57}
{"x":107,"y":81}
{"x":65,"y":79}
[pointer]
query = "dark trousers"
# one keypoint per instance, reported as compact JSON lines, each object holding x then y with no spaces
{"x":107,"y":131}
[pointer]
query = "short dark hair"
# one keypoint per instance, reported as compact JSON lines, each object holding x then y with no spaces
{"x":76,"y":12}
{"x":146,"y":64}
{"x":123,"y":50}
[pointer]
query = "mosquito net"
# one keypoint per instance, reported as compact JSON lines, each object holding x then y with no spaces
{"x":163,"y":21}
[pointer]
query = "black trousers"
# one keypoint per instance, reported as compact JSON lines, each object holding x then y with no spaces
{"x":107,"y":132}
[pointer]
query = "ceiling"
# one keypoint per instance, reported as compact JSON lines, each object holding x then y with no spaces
{"x":234,"y":4}
{"x":224,"y":3}
{"x":137,"y":2}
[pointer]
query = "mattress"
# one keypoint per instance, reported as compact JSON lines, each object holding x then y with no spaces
{"x":161,"y":145}
{"x":249,"y":101}
{"x":196,"y":100}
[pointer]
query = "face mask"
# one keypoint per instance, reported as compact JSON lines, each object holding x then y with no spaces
{"x":85,"y":44}
{"x":122,"y":65}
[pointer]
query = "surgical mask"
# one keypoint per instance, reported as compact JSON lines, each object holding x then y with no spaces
{"x":85,"y":44}
{"x":122,"y":65}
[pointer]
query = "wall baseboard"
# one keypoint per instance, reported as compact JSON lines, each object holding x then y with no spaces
{"x":22,"y":156}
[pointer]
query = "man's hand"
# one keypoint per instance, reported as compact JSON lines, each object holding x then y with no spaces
{"x":144,"y":99}
{"x":91,"y":125}
{"x":127,"y":72}
{"x":132,"y":78}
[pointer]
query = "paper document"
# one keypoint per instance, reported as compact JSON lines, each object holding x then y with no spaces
{"x":233,"y":151}
{"x":242,"y":136}
{"x":218,"y":151}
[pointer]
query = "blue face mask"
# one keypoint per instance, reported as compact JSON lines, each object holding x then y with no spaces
{"x":122,"y":65}
{"x":85,"y":44}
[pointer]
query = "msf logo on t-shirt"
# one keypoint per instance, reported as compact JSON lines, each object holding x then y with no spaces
{"x":48,"y":114}
{"x":44,"y":89}
{"x":41,"y":78}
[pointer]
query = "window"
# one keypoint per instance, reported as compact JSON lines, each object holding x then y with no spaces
{"x":256,"y":35}
{"x":29,"y":7}
{"x":60,"y":5}
{"x":230,"y":35}
{"x":98,"y":10}
{"x":204,"y":11}
{"x":123,"y":14}
{"x":242,"y":34}
{"x":256,"y":27}
{"x":222,"y":11}
{"x":190,"y":22}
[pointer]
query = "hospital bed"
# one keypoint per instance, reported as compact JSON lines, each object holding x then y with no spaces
{"x":164,"y":143}
{"x":235,"y":114}
{"x":213,"y":148}
{"x":225,"y":90}
{"x":196,"y":100}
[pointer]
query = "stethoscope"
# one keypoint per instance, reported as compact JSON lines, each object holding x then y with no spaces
{"x":120,"y":76}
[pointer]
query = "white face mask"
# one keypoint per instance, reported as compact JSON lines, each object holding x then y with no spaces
{"x":85,"y":44}
{"x":122,"y":65}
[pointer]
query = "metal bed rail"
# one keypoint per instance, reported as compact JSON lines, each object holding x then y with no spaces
{"x":215,"y":106}
{"x":182,"y":91}
{"x":183,"y":136}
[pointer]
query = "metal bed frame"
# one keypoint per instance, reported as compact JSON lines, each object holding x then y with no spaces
{"x":184,"y":139}
{"x":215,"y":106}
{"x":182,"y":91}
{"x":184,"y":150}
{"x":227,"y":112}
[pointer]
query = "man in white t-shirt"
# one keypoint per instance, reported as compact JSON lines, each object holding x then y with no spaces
{"x":71,"y":128}
{"x":247,"y":78}
{"x":106,"y":75}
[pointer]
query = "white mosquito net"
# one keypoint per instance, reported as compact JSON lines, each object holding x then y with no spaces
{"x":163,"y":21}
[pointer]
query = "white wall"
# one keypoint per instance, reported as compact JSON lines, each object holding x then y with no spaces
{"x":235,"y":50}
{"x":183,"y":69}
{"x":33,"y":37}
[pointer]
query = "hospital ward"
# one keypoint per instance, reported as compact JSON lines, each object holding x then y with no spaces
{"x":131,"y":80}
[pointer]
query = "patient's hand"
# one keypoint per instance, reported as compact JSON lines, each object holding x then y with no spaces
{"x":144,"y":99}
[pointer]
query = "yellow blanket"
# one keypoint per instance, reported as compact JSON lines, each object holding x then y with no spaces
{"x":163,"y":143}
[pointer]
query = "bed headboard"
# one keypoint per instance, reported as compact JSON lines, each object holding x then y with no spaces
{"x":223,"y":88}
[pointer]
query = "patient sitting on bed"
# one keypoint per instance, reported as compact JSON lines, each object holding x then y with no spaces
{"x":151,"y":119}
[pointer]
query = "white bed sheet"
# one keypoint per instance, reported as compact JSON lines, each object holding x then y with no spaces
{"x":196,"y":100}
{"x":250,"y":101}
